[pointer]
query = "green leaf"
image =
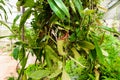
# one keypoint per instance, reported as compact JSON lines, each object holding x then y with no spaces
{"x":99,"y":51}
{"x":72,"y":5}
{"x":105,"y":53}
{"x":56,"y":9}
{"x":60,"y":44}
{"x":75,"y":52}
{"x":29,"y":3}
{"x":62,"y":6}
{"x":24,"y":77}
{"x":108,"y":29}
{"x":18,"y":4}
{"x":15,"y":53}
{"x":91,"y":76}
{"x":4,"y":11}
{"x":24,"y":17}
{"x":23,"y":63}
{"x":53,"y":18}
{"x":88,"y":11}
{"x":55,"y":74}
{"x":2,"y":2}
{"x":21,"y":54}
{"x":15,"y":19}
{"x":72,"y":37}
{"x":65,"y":75}
{"x":31,"y":68}
{"x":78,"y":5}
{"x":18,"y":43}
{"x":3,"y":23}
{"x":48,"y":60}
{"x":7,"y":36}
{"x":77,"y":62}
{"x":39,"y":74}
{"x":52,"y":54}
{"x":62,"y":26}
{"x":86,"y":44}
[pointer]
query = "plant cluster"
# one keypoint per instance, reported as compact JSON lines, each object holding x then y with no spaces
{"x":68,"y":40}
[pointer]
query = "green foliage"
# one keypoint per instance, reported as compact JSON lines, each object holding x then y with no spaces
{"x":56,"y":9}
{"x":99,"y":52}
{"x":79,"y":6}
{"x":11,"y":78}
{"x":39,"y":74}
{"x":110,"y":70}
{"x":4,"y":13}
{"x":66,"y":40}
{"x":15,"y":53}
{"x":76,"y":71}
{"x":24,"y":17}
{"x":4,"y":16}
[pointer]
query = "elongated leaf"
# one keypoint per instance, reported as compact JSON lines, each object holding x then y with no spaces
{"x":1,"y":16}
{"x":102,"y":8}
{"x":55,"y":74}
{"x":105,"y":53}
{"x":77,"y":62}
{"x":86,"y":44}
{"x":60,"y":44}
{"x":15,"y":53}
{"x":108,"y":29}
{"x":39,"y":74}
{"x":97,"y":75}
{"x":53,"y":18}
{"x":3,"y":9}
{"x":29,"y":3}
{"x":18,"y":4}
{"x":78,"y":5}
{"x":114,"y":5}
{"x":15,"y":19}
{"x":99,"y":51}
{"x":72,"y":5}
{"x":75,"y":52}
{"x":89,"y":12}
{"x":2,"y":2}
{"x":24,"y":61}
{"x":62,"y":6}
{"x":62,"y":25}
{"x":22,"y":56}
{"x":6,"y":17}
{"x":56,"y":9}
{"x":6,"y":36}
{"x":65,"y":75}
{"x":24,"y":17}
{"x":24,"y":77}
{"x":3,"y":23}
{"x":48,"y":60}
{"x":52,"y":54}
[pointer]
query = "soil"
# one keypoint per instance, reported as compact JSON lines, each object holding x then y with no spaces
{"x":7,"y":66}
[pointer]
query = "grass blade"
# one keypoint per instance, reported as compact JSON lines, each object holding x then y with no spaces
{"x":99,"y":51}
{"x":56,"y":9}
{"x":72,"y":5}
{"x":24,"y":17}
{"x":62,"y":6}
{"x":78,"y":5}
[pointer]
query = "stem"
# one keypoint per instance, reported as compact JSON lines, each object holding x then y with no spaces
{"x":23,"y":38}
{"x":23,"y":30}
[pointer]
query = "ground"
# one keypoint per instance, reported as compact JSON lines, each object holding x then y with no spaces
{"x":7,"y":65}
